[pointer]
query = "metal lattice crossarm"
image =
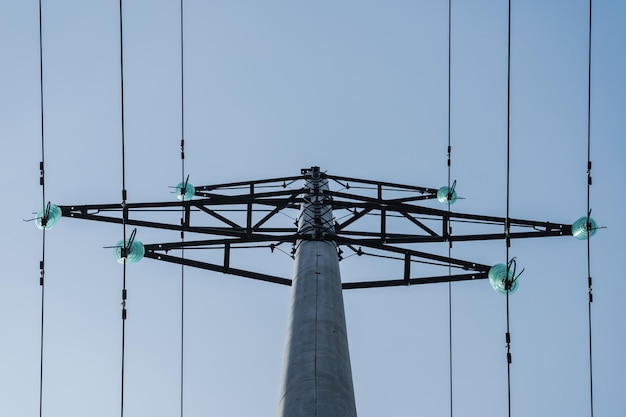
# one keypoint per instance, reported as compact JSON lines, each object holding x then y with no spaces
{"x":382,"y":217}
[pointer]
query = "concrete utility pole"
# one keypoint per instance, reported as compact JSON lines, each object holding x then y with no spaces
{"x":317,"y":377}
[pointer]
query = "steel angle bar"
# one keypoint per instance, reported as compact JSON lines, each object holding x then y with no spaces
{"x":85,"y":208}
{"x":409,"y":199}
{"x":351,"y":201}
{"x":255,"y":238}
{"x":248,"y":183}
{"x":241,"y":198}
{"x":398,"y":238}
{"x":287,"y":202}
{"x":413,"y":281}
{"x":218,"y":268}
{"x":565,"y":231}
{"x":340,"y":179}
{"x":356,"y":216}
{"x":419,"y":224}
{"x":474,"y":266}
{"x":159,"y":225}
{"x":219,"y":217}
{"x":376,"y":237}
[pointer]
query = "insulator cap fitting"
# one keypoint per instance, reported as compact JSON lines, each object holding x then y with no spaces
{"x":499,"y":281}
{"x":184,"y":191}
{"x":48,"y":216}
{"x":584,"y":228}
{"x":134,"y":253}
{"x":446,"y":195}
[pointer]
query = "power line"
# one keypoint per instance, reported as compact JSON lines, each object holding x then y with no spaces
{"x":182,"y":220}
{"x":449,"y":164}
{"x":126,"y":248}
{"x":508,"y":200}
{"x":43,"y":229}
{"x":589,"y":182}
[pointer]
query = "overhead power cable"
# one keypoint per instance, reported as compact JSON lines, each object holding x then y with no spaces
{"x":43,"y":204}
{"x":508,"y":201}
{"x":125,"y":249}
{"x":182,"y":220}
{"x":449,"y":165}
{"x":589,"y":182}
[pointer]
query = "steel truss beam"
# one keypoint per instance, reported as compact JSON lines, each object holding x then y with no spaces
{"x":358,"y":201}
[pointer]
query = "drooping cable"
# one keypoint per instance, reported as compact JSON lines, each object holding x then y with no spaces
{"x":507,"y":224}
{"x":125,"y":249}
{"x":43,"y":204}
{"x":449,"y":202}
{"x":182,"y":220}
{"x":589,"y":182}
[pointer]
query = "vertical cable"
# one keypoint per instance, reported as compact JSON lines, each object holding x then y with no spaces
{"x":449,"y":200}
{"x":589,"y":281}
{"x":507,"y":222}
{"x":124,"y":213}
{"x":41,"y":165}
{"x":182,"y":232}
{"x":122,"y":112}
{"x":43,"y":204}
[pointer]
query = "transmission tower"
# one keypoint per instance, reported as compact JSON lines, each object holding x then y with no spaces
{"x":335,"y":217}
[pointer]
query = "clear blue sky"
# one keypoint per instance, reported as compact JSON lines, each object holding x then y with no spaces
{"x":360,"y":89}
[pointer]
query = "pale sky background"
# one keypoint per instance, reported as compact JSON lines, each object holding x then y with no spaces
{"x":360,"y":89}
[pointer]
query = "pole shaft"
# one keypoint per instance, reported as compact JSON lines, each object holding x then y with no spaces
{"x":317,"y":377}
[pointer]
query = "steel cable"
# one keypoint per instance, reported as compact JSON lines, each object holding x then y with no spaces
{"x":507,"y":222}
{"x":43,"y":204}
{"x":589,"y":182}
{"x":449,"y":164}
{"x":183,"y":220}
{"x":124,"y":250}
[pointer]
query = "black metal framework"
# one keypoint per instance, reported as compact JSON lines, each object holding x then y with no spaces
{"x":382,"y":217}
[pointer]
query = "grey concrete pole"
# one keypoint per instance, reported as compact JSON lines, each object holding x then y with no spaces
{"x":317,"y":377}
